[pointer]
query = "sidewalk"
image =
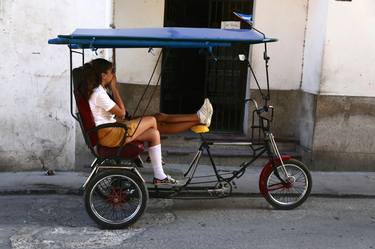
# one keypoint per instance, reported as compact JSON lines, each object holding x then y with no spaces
{"x":326,"y":184}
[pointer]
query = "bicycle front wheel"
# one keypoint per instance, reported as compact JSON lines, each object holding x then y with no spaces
{"x":291,"y":193}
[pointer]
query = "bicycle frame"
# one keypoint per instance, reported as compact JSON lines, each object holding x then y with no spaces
{"x":268,"y":146}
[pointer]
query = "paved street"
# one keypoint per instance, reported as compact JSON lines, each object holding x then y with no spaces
{"x":60,"y":221}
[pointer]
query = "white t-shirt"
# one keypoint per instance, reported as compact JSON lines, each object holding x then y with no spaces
{"x":100,"y":104}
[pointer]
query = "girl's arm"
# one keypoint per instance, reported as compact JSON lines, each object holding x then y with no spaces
{"x":119,"y":108}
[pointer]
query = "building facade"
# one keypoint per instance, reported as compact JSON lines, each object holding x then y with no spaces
{"x":322,"y":82}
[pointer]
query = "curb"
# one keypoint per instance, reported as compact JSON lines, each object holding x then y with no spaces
{"x":79,"y":192}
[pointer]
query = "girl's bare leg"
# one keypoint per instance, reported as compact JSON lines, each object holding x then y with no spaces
{"x":152,"y":136}
{"x":145,"y":131}
{"x":172,"y":128}
{"x":176,"y":118}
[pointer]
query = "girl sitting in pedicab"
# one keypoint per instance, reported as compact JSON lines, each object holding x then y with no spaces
{"x":99,"y":76}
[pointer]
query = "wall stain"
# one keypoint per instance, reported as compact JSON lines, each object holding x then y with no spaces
{"x":43,"y":153}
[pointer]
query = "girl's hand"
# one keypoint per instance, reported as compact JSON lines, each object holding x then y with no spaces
{"x":113,"y":82}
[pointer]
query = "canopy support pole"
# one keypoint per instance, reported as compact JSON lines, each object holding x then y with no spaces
{"x":266,"y":59}
{"x":83,"y":56}
{"x":71,"y":51}
{"x":71,"y":83}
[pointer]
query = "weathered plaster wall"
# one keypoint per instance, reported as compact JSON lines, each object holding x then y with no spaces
{"x":344,"y":116}
{"x":286,"y":113}
{"x":135,"y":65}
{"x":304,"y":119}
{"x":286,"y":21}
{"x":338,"y":41}
{"x":37,"y":128}
{"x":314,"y":45}
{"x":349,"y":49}
{"x":344,"y":133}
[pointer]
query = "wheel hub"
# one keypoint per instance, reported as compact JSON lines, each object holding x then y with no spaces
{"x":290,"y":181}
{"x":117,"y":197}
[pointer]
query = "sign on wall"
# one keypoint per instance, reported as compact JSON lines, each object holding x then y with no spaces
{"x":230,"y":25}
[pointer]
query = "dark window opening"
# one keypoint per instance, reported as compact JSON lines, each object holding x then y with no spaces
{"x":189,"y":75}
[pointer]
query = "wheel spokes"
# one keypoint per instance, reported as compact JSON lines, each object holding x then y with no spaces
{"x":290,"y":192}
{"x":116,"y":199}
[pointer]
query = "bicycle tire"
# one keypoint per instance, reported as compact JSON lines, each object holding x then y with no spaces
{"x":287,"y":196}
{"x":122,"y":188}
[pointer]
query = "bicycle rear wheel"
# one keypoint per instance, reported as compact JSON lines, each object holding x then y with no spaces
{"x":294,"y":191}
{"x":115,"y":199}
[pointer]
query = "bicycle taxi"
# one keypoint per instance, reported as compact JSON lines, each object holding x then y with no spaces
{"x":115,"y":192}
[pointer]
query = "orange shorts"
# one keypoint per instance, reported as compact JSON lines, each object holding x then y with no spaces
{"x":112,"y":137}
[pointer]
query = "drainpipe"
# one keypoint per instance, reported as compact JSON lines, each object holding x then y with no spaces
{"x":110,"y":23}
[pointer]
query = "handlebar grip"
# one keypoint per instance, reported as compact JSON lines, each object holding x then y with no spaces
{"x":254,"y":102}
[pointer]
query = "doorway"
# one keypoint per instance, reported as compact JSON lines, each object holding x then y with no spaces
{"x":190,"y":75}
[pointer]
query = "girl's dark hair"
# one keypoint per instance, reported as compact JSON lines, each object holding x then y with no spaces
{"x":92,"y":75}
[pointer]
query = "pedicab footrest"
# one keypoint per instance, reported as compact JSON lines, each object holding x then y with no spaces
{"x":200,"y":129}
{"x":130,"y":150}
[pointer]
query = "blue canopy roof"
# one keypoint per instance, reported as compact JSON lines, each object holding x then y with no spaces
{"x":159,"y":37}
{"x":244,"y":17}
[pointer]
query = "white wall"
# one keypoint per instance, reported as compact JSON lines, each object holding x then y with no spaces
{"x":135,"y":65}
{"x":338,"y":48}
{"x":286,"y":21}
{"x":35,"y":121}
{"x":314,"y":45}
{"x":349,"y":52}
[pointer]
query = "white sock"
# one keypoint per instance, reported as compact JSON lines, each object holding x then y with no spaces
{"x":155,"y":155}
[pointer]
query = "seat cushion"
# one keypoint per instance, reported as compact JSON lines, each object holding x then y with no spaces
{"x":130,"y":150}
{"x":199,"y":129}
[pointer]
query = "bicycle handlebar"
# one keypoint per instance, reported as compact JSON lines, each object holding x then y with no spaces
{"x":254,"y":102}
{"x":265,"y":108}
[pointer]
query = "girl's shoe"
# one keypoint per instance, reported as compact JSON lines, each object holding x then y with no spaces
{"x":166,"y":181}
{"x":205,"y":112}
